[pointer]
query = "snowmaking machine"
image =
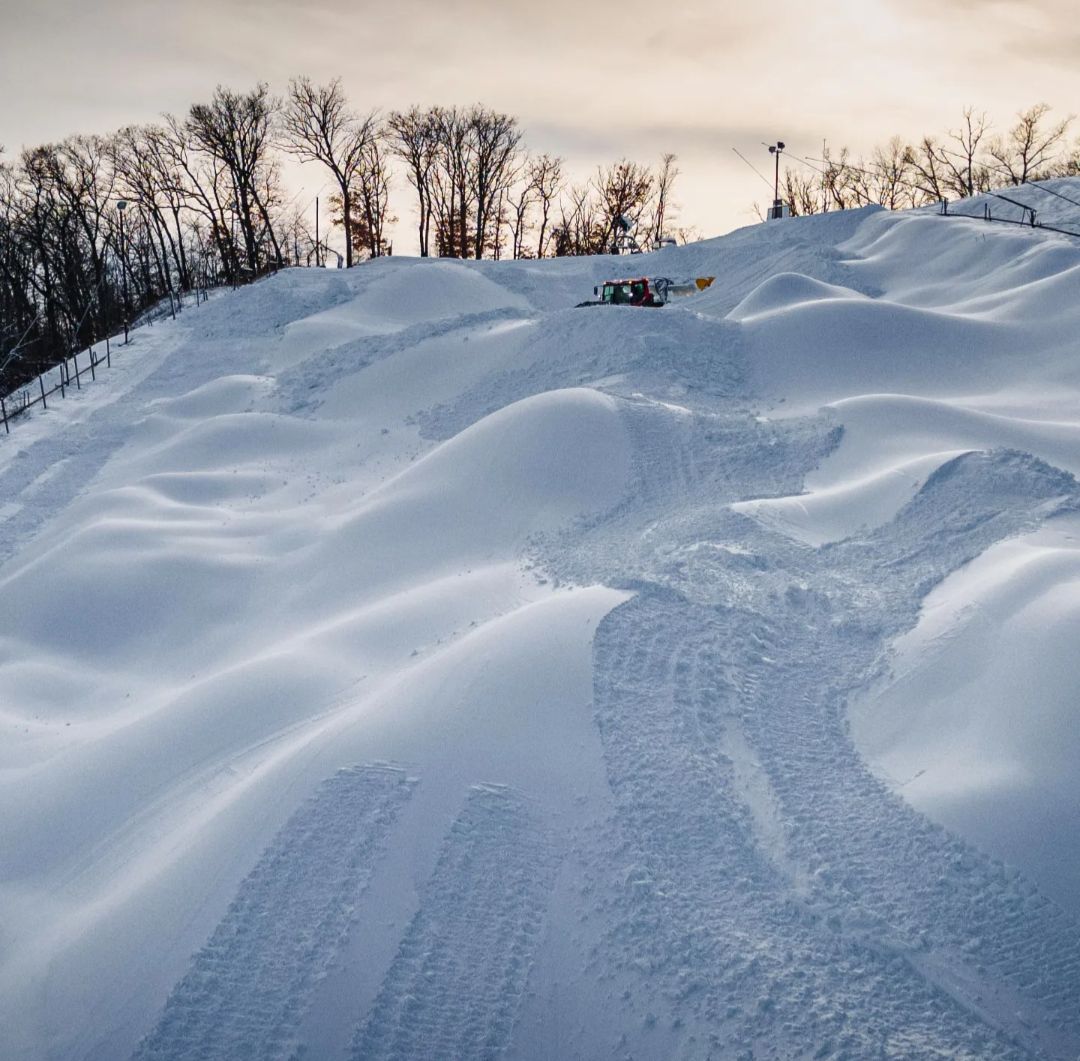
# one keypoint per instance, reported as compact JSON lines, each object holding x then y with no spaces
{"x":645,"y":291}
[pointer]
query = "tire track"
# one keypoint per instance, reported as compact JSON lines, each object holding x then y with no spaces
{"x":248,"y":988}
{"x":455,"y":988}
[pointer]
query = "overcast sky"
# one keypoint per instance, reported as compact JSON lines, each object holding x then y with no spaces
{"x":590,"y":81}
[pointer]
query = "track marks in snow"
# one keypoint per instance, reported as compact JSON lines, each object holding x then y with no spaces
{"x":764,"y":890}
{"x":456,"y":985}
{"x":248,"y":988}
{"x":731,"y":954}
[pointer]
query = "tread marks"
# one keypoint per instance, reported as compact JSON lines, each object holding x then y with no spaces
{"x":723,"y":940}
{"x":248,"y":988}
{"x":881,"y":928}
{"x":456,"y":985}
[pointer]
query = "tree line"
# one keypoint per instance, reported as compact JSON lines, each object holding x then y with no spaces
{"x":969,"y":159}
{"x":204,"y":203}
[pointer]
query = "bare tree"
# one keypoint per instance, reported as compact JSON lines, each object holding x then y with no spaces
{"x":926,"y":163}
{"x":451,"y":181}
{"x":801,"y":193}
{"x":141,"y":161}
{"x":1027,"y":150}
{"x":966,"y":176}
{"x":839,"y":180}
{"x":624,"y":189}
{"x":582,"y":227}
{"x":412,"y":138}
{"x":545,"y":176}
{"x":519,"y":204}
{"x":664,"y":182}
{"x":237,"y":129}
{"x":495,"y":161}
{"x":318,"y":126}
{"x":370,"y":193}
{"x":890,"y":184}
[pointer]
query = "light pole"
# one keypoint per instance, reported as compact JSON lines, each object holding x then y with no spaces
{"x":121,"y":205}
{"x":777,"y":207}
{"x":234,"y":265}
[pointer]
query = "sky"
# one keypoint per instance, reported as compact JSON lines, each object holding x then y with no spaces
{"x":591,"y":82}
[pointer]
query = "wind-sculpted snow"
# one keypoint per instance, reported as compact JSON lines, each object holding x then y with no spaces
{"x":248,"y":987}
{"x":457,"y":982}
{"x":694,"y":629}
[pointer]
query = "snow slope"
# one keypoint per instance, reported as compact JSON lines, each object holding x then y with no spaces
{"x":400,"y":663}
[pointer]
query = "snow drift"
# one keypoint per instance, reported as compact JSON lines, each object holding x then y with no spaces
{"x":398,"y":663}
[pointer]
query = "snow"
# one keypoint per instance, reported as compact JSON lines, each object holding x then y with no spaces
{"x":399,"y":663}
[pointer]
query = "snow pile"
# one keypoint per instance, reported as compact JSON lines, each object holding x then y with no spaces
{"x":401,"y":663}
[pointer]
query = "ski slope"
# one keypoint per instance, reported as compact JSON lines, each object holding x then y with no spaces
{"x":399,"y":663}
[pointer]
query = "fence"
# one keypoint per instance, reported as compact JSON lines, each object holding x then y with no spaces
{"x":1028,"y":213}
{"x":67,"y":374}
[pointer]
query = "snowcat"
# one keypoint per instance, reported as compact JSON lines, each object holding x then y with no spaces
{"x":645,"y":291}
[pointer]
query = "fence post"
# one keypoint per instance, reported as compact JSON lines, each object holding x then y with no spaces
{"x":3,"y":412}
{"x":41,"y":384}
{"x":108,"y":355}
{"x":63,"y":392}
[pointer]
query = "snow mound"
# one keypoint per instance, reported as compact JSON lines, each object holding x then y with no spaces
{"x":976,"y":723}
{"x":416,"y":293}
{"x":785,"y":290}
{"x":399,"y":661}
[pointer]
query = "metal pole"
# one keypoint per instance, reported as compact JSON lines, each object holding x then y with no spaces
{"x":317,"y":252}
{"x":41,"y":384}
{"x":775,"y":149}
{"x":122,"y":206}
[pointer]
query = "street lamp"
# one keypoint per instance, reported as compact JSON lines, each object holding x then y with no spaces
{"x":121,"y":205}
{"x":777,"y":206}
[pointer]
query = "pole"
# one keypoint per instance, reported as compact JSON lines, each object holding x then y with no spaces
{"x":824,"y":192}
{"x":317,"y":252}
{"x":123,"y":267}
{"x":3,"y":412}
{"x":775,"y":149}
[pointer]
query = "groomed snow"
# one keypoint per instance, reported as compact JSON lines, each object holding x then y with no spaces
{"x":402,"y":663}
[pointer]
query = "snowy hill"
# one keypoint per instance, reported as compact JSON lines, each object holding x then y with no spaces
{"x":401,"y":663}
